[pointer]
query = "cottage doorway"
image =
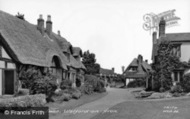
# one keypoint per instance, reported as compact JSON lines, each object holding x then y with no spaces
{"x":9,"y":76}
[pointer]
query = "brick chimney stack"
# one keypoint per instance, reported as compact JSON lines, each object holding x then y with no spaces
{"x":123,"y":69}
{"x":59,"y":33}
{"x":140,"y":58}
{"x":49,"y":25}
{"x":162,"y":26}
{"x":113,"y":69}
{"x":40,"y":24}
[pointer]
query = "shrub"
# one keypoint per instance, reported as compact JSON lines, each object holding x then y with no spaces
{"x":136,"y":83}
{"x":186,"y":83}
{"x":64,"y":97}
{"x":71,"y":90}
{"x":86,"y":89}
{"x":66,"y":84}
{"x":27,"y":75}
{"x":37,"y":81}
{"x":76,"y":95}
{"x":24,"y":101}
{"x":22,"y":92}
{"x":58,"y":92}
{"x":100,"y":86}
{"x":93,"y":84}
{"x":45,"y":85}
{"x":161,"y":89}
{"x":176,"y":89}
{"x":91,"y":80}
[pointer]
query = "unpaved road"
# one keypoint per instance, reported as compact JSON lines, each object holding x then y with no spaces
{"x":91,"y":109}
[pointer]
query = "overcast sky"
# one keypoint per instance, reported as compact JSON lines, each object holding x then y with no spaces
{"x":112,"y":29}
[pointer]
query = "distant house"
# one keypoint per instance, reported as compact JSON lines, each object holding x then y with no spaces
{"x":137,"y":69}
{"x":181,"y":42}
{"x":108,"y":75}
{"x":23,"y":44}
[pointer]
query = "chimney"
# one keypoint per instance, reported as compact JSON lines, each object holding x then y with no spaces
{"x":113,"y":69}
{"x":123,"y":69}
{"x":154,"y":37}
{"x":162,"y":26}
{"x":140,"y":58}
{"x":49,"y":25}
{"x":59,"y":33}
{"x":40,"y":24}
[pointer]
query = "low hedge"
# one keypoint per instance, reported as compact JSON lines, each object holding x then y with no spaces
{"x":136,"y":83}
{"x":67,"y":94}
{"x":38,"y":100}
{"x":22,"y":92}
{"x":64,"y":97}
{"x":176,"y":89}
{"x":76,"y":95}
{"x":66,"y":84}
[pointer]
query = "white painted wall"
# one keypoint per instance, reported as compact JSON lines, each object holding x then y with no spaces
{"x":11,"y":65}
{"x":4,"y":54}
{"x":129,"y":80}
{"x":2,"y":64}
{"x":185,"y":52}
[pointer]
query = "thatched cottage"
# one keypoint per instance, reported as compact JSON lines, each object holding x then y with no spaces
{"x":138,"y":69}
{"x":23,"y":44}
{"x":78,"y":54}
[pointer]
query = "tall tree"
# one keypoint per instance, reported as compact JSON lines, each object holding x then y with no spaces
{"x":89,"y":61}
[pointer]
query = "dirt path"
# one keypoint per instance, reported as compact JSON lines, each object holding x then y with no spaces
{"x":89,"y":110}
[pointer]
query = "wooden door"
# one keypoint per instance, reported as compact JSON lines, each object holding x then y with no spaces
{"x":9,"y":78}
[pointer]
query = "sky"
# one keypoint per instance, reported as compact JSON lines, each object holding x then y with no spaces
{"x":111,"y":29}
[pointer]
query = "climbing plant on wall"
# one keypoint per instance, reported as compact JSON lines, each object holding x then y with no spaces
{"x":163,"y":66}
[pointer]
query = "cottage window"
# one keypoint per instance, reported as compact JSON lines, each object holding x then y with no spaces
{"x":176,"y":51}
{"x":178,"y":76}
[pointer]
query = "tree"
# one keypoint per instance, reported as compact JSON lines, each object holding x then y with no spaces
{"x":89,"y":62}
{"x":121,"y":78}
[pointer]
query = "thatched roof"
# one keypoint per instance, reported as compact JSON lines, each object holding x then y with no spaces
{"x":25,"y":44}
{"x":143,"y":68}
{"x":62,"y":42}
{"x":66,"y":47}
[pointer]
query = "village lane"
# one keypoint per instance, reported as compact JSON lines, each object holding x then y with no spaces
{"x":87,"y":111}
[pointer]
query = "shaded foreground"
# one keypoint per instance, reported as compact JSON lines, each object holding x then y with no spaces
{"x":89,"y":110}
{"x":73,"y":103}
{"x":155,"y":109}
